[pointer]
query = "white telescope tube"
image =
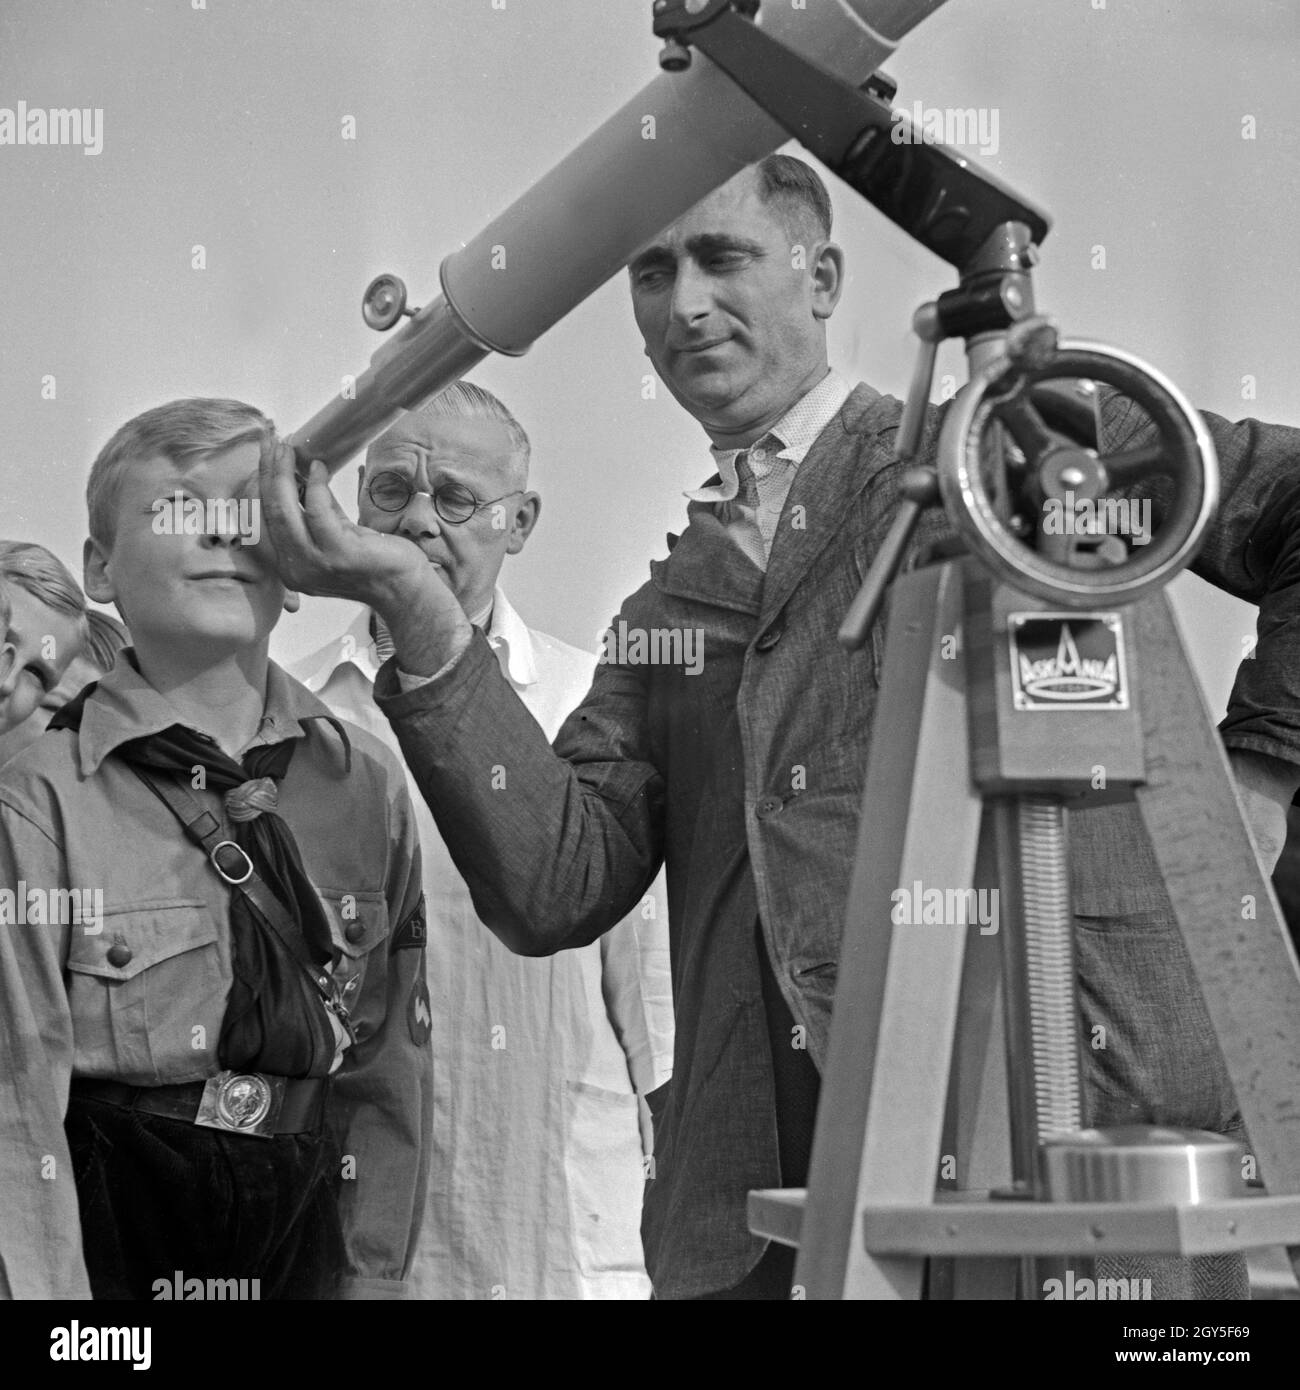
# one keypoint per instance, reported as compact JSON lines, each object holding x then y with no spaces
{"x":681,"y":137}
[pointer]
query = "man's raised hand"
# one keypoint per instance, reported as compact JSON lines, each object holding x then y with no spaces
{"x":318,"y":550}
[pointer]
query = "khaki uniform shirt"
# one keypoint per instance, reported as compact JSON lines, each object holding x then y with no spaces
{"x":72,"y":818}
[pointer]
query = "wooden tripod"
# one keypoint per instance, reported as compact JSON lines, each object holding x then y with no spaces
{"x":1010,"y":716}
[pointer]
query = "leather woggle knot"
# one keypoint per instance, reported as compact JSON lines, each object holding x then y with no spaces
{"x":248,"y":800}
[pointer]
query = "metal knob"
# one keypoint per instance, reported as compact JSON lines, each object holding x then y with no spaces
{"x":674,"y":56}
{"x":384,"y":302}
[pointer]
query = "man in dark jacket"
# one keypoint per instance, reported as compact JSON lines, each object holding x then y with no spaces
{"x":746,"y":778}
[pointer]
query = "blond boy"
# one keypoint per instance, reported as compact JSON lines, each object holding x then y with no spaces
{"x":239,"y":1033}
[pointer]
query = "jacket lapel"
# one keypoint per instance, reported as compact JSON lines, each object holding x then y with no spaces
{"x":707,"y":566}
{"x":827,"y":483}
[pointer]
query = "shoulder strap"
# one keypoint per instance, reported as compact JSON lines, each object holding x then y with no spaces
{"x":235,"y":867}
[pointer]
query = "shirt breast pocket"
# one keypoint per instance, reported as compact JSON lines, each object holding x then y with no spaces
{"x":148,"y":992}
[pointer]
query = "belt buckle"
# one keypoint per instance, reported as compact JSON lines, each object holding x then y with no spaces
{"x":241,"y":1102}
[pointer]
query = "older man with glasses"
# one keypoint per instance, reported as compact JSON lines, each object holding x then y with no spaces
{"x":540,"y":1139}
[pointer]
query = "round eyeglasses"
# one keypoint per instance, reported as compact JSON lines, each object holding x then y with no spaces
{"x":453,"y":502}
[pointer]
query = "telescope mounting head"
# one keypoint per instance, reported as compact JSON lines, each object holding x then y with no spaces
{"x":1020,"y":446}
{"x":676,"y":20}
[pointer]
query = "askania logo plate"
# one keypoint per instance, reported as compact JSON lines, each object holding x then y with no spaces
{"x":1067,"y":661}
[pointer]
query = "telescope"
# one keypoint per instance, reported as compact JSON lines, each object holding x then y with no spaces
{"x":769,"y":71}
{"x":682,"y":136}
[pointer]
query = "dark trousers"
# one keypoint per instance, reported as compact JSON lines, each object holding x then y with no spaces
{"x":159,"y":1195}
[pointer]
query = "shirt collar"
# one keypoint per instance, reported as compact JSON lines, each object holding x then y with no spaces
{"x":125,"y":706}
{"x":510,"y":638}
{"x":356,"y":645}
{"x":795,"y":432}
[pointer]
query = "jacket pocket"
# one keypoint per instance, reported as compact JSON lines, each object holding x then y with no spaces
{"x":146,"y":991}
{"x":657,"y":1100}
{"x":605,"y":1174}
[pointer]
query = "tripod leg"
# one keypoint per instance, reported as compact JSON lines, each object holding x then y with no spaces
{"x":976,"y":1133}
{"x":1238,"y":946}
{"x":884,"y":1093}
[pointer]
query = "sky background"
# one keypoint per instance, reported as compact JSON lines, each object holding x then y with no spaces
{"x":223,"y":129}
